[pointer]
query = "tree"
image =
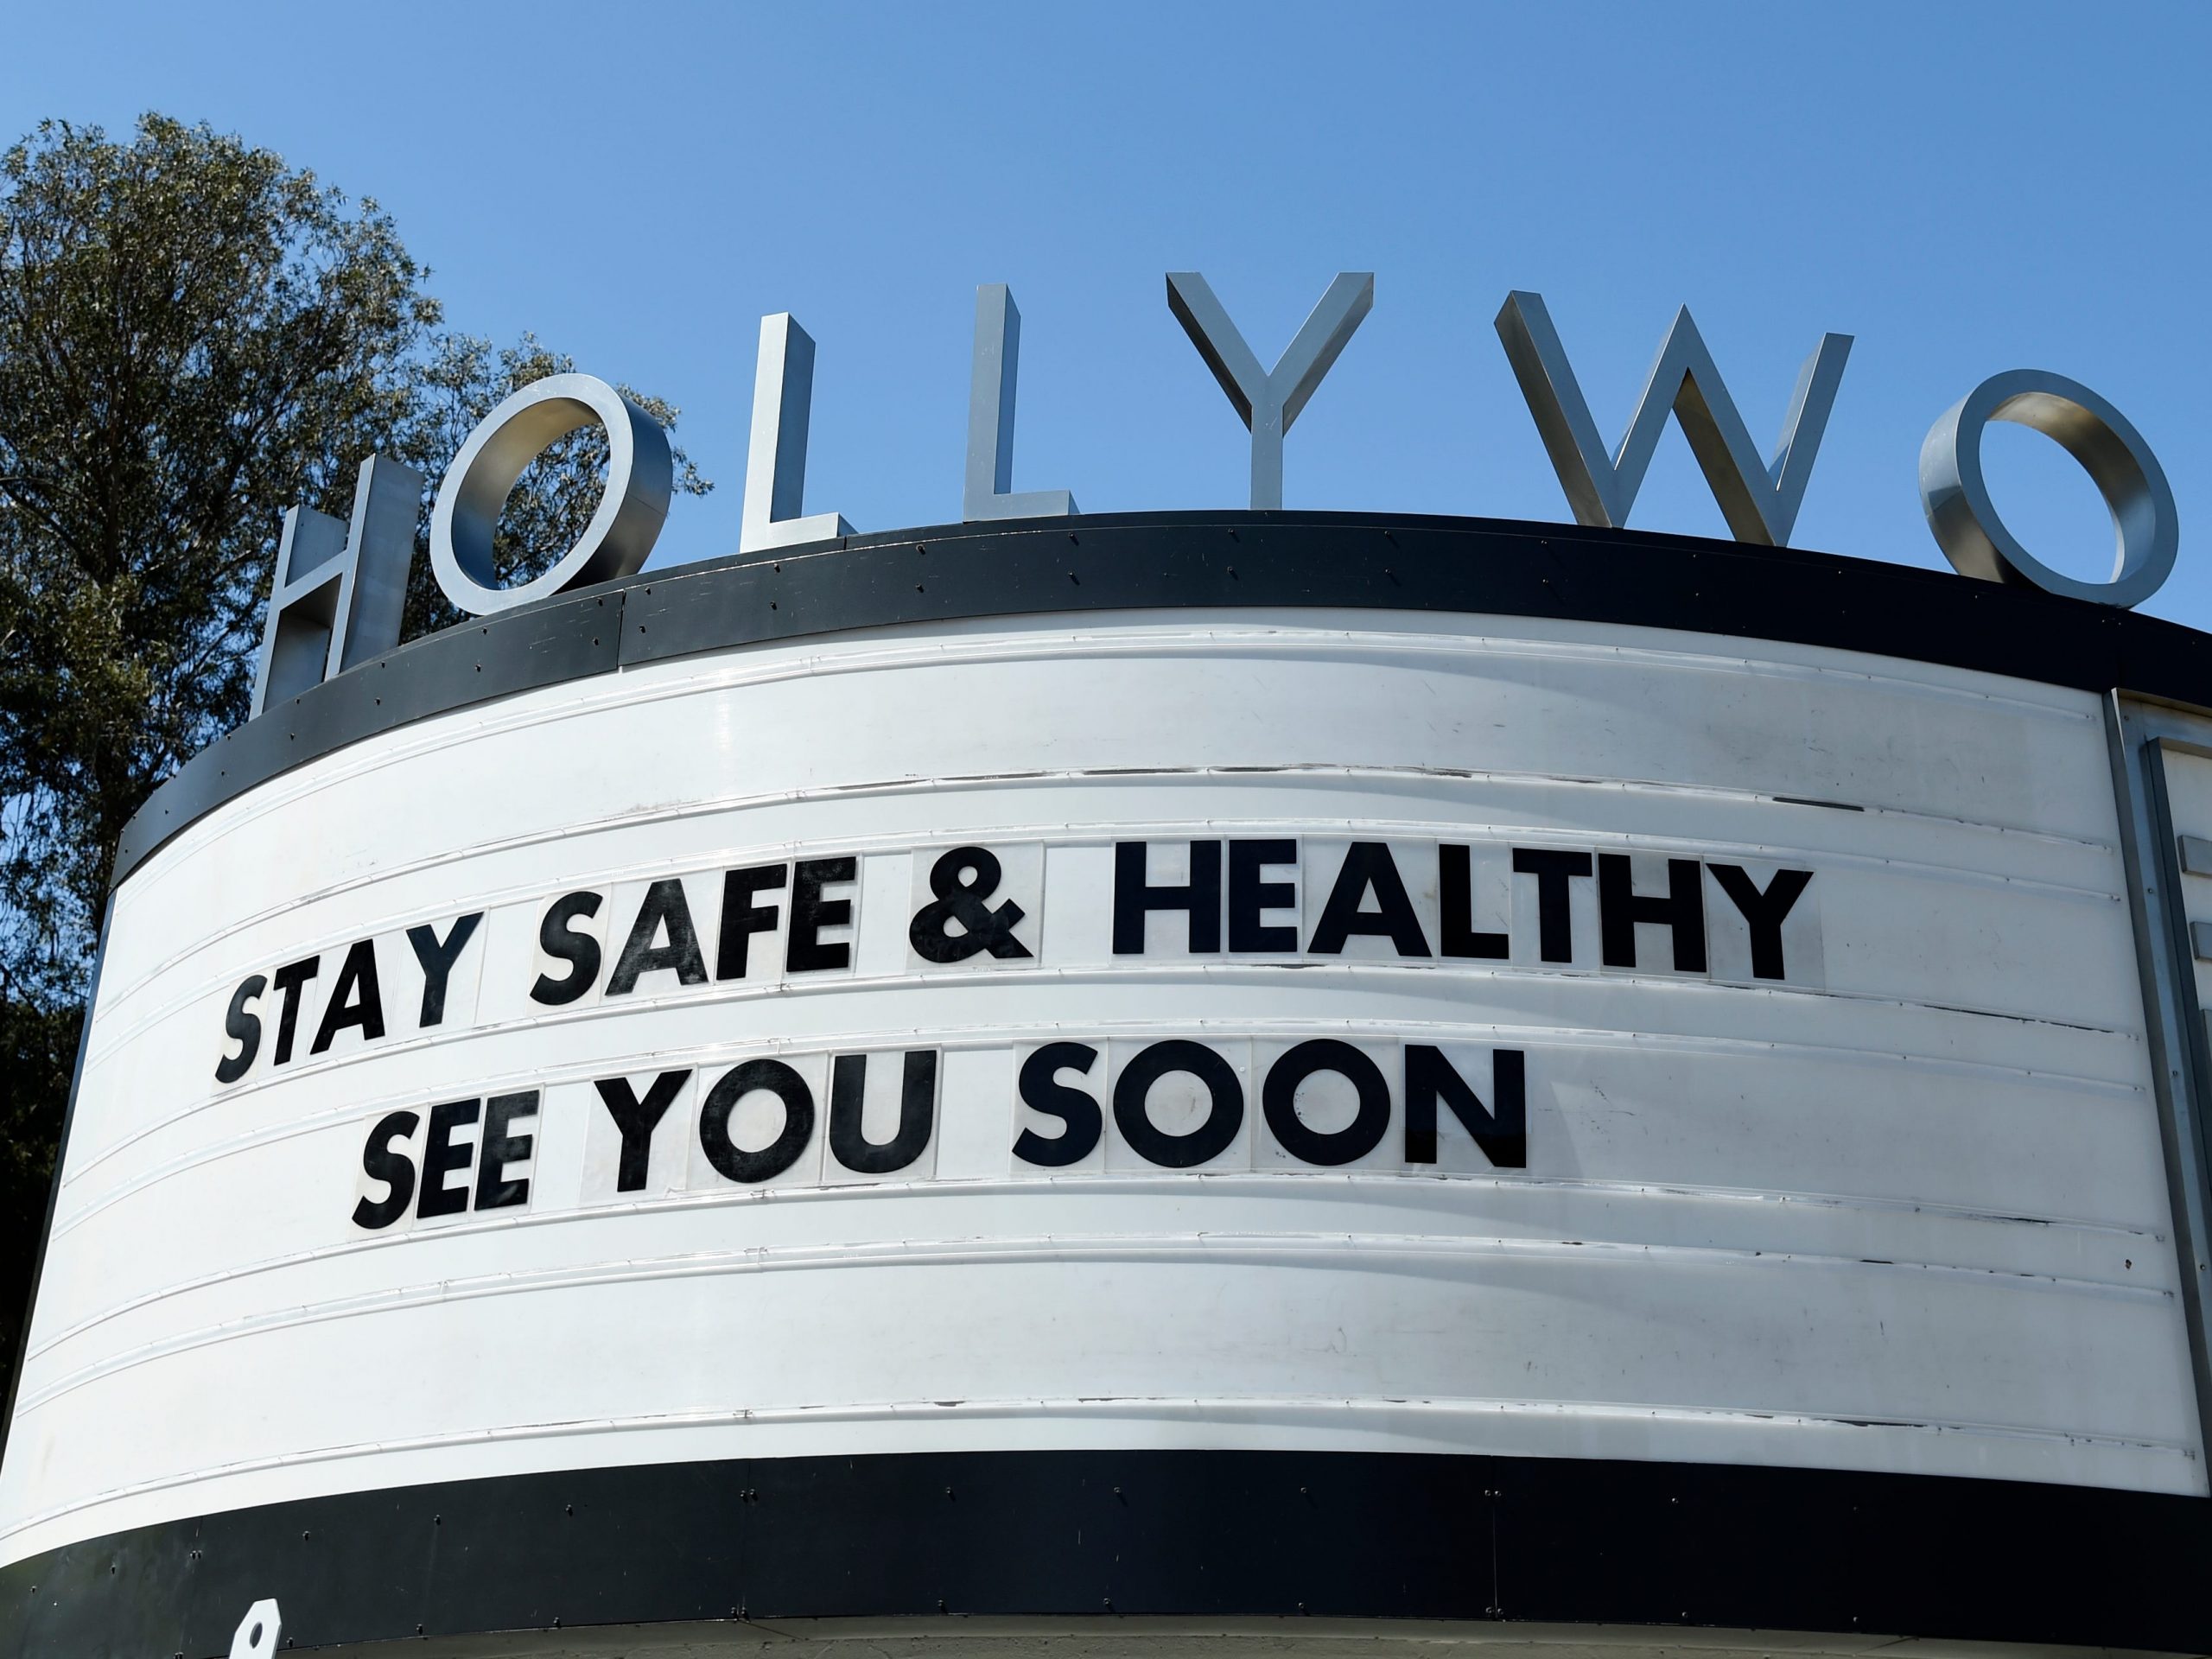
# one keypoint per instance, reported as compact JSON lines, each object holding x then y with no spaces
{"x":194,"y":336}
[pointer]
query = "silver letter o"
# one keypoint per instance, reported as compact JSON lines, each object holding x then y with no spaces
{"x":1964,"y":520}
{"x":640,"y":479}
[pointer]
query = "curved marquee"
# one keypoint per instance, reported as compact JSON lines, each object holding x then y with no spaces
{"x":1215,"y":1067}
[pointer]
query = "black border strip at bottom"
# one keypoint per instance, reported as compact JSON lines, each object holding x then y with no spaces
{"x":1190,"y":1534}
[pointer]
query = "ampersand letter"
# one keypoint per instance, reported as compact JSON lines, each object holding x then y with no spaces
{"x":961,"y":880}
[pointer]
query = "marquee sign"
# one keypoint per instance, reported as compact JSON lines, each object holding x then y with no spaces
{"x":1221,"y":1067}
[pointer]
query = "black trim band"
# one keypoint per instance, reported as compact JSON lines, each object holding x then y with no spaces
{"x":1135,"y":561}
{"x":1196,"y":1534}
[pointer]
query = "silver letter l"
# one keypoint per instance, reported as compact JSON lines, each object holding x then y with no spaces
{"x":987,"y":491}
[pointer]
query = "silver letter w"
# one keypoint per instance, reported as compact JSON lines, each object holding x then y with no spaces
{"x":1759,"y":499}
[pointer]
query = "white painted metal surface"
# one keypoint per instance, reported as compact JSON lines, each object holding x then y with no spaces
{"x":1902,"y":1209}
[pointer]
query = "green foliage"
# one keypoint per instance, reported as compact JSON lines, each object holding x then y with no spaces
{"x":193,"y":338}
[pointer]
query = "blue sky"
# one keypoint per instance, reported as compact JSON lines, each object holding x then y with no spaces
{"x":1966,"y":189}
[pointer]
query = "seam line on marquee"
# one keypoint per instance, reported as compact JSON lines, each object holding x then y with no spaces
{"x":1357,"y":1252}
{"x":1270,"y":1183}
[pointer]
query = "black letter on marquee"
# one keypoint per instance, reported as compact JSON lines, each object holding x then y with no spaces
{"x":664,"y":905}
{"x":1620,"y":907}
{"x":1765,"y":911}
{"x":1279,"y":1100}
{"x":917,"y":1108}
{"x":1555,"y":928}
{"x":810,"y":913}
{"x":1042,"y":1092}
{"x":497,"y":1149}
{"x":1211,"y":1137}
{"x":1248,"y":896}
{"x":563,"y":943}
{"x":245,"y":1028}
{"x":771,"y":1160}
{"x":290,"y":978}
{"x":962,"y":901}
{"x":395,"y":1169}
{"x":1502,"y":1136}
{"x":1133,"y":901}
{"x":1368,"y":864}
{"x":741,"y":918}
{"x":357,"y":985}
{"x":440,"y":1156}
{"x":1456,"y":891}
{"x":437,"y":959}
{"x":637,"y":1120}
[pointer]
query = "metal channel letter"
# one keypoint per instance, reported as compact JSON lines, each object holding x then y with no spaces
{"x":987,"y":490}
{"x":1964,"y":520}
{"x":775,"y":462}
{"x":1270,"y":400}
{"x":1759,"y":498}
{"x":633,"y":507}
{"x":337,"y":591}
